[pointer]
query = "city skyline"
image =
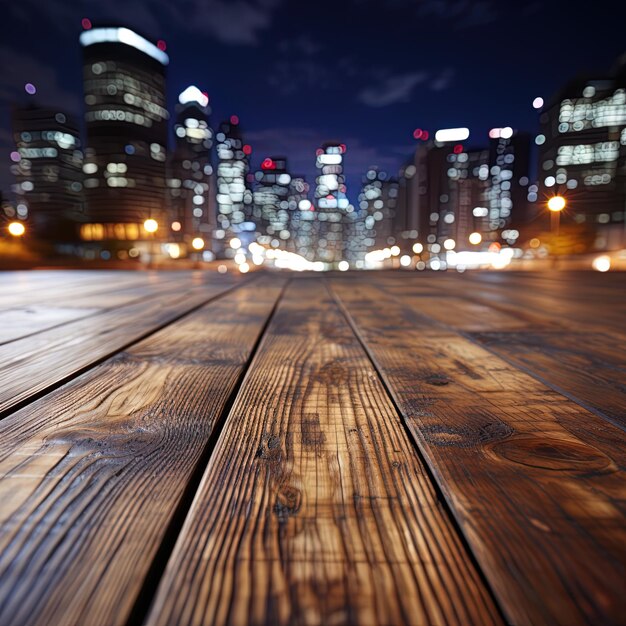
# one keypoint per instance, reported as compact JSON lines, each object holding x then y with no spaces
{"x":277,"y":119}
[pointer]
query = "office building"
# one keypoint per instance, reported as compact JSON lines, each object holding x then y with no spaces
{"x":127,"y":127}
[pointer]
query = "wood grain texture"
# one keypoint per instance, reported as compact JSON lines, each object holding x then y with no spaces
{"x":535,"y":481}
{"x":588,"y":367}
{"x":315,"y":507}
{"x":91,"y":474}
{"x":30,"y":365}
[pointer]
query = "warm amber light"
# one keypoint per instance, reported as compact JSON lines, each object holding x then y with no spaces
{"x":151,"y":226}
{"x":17,"y":229}
{"x":556,"y":203}
{"x":197,"y":243}
{"x":475,"y":238}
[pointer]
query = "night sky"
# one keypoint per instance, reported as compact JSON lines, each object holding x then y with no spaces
{"x":297,"y":73}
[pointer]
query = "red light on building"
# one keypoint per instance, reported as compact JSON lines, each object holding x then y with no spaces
{"x":234,"y":120}
{"x":247,"y":149}
{"x":268,"y":164}
{"x":86,"y":23}
{"x":425,"y":135}
{"x":417,"y":133}
{"x":458,"y":149}
{"x":343,"y":147}
{"x":206,"y":94}
{"x":319,"y":152}
{"x":161,"y":45}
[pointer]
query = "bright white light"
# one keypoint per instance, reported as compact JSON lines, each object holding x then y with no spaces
{"x":602,"y":263}
{"x":504,"y":133}
{"x":449,"y":244}
{"x":304,"y":205}
{"x":193,"y":94}
{"x":475,"y":238}
{"x":244,"y":268}
{"x":452,"y":134}
{"x":125,"y":36}
{"x":418,"y":248}
{"x":537,"y":103}
{"x":405,"y":260}
{"x":395,"y":250}
{"x":235,"y":243}
{"x":330,"y":159}
{"x":344,"y":266}
{"x":240,"y":258}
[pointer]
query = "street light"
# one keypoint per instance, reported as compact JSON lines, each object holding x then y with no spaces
{"x":17,"y":229}
{"x":475,"y":238}
{"x":555,"y":205}
{"x":151,"y":225}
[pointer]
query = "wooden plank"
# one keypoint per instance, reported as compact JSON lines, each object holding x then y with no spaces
{"x":592,"y":303}
{"x":18,"y":323}
{"x":62,"y":290}
{"x":31,"y":365}
{"x":315,"y":507}
{"x":92,"y":475}
{"x":55,"y":288}
{"x":536,"y":482}
{"x":88,"y":300}
{"x":587,"y":367}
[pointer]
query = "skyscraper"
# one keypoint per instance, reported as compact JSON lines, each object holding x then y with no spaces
{"x":190,"y":167}
{"x":126,"y":122}
{"x":582,"y":155}
{"x":271,"y":202}
{"x":234,"y":199}
{"x":331,"y":202}
{"x":48,"y":172}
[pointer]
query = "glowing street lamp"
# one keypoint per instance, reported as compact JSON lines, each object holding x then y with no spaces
{"x":475,"y":238}
{"x":17,"y":229}
{"x":556,"y":204}
{"x":151,"y":225}
{"x":197,"y":243}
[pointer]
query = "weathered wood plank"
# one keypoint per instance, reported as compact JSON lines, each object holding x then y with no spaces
{"x":32,"y":364}
{"x":536,"y":482}
{"x":588,"y":367}
{"x":91,"y":475}
{"x":315,"y":507}
{"x":64,"y":306}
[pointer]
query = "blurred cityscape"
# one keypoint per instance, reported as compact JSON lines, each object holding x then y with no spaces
{"x":144,"y":185}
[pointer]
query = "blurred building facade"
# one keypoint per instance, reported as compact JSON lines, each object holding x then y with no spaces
{"x":126,"y":121}
{"x":234,"y":197}
{"x":47,"y":165}
{"x":582,"y":155}
{"x":271,"y":203}
{"x":331,"y":203}
{"x":190,"y":170}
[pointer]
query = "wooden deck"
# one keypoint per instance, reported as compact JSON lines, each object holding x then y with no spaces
{"x":371,"y":448}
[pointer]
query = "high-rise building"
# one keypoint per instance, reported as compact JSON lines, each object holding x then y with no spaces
{"x":331,"y":202}
{"x":582,"y":155}
{"x":449,"y":191}
{"x":190,"y":168}
{"x":271,"y":202}
{"x":126,"y":121}
{"x":48,"y":172}
{"x":301,"y":219}
{"x":234,"y":198}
